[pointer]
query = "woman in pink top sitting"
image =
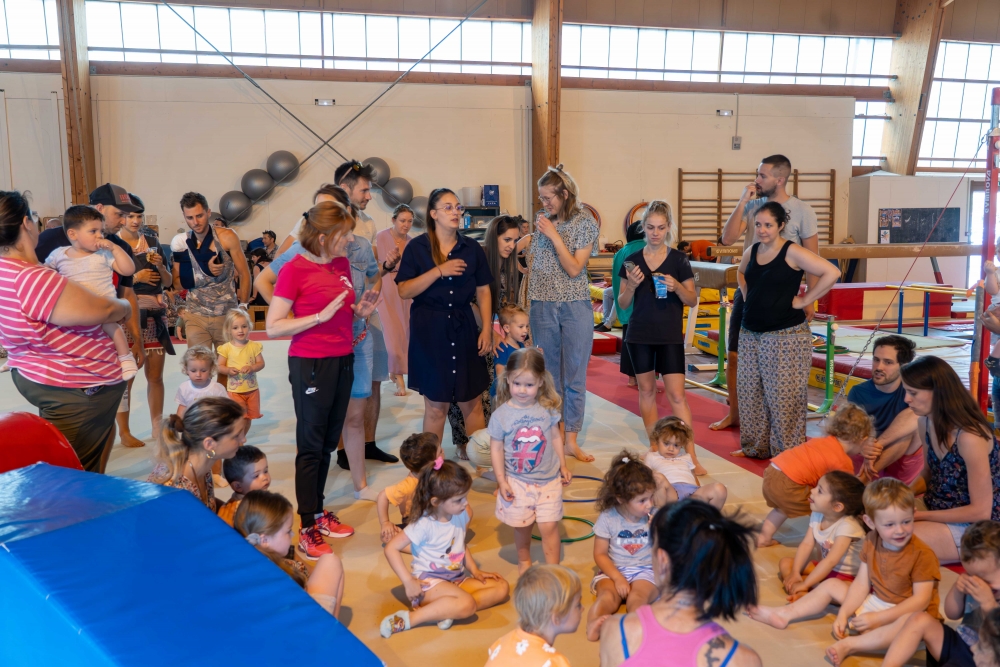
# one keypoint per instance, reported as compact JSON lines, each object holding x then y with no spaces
{"x":703,"y":568}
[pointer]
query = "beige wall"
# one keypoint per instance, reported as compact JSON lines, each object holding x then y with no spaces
{"x":161,"y":136}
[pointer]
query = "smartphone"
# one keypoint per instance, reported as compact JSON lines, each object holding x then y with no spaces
{"x":629,"y":266}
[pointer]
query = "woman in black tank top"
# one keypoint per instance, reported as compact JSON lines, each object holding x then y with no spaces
{"x":775,"y":339}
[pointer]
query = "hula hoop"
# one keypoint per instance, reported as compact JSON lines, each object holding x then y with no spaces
{"x":569,"y":540}
{"x":585,"y":500}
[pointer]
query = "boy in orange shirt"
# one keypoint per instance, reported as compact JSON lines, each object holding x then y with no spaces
{"x":548,"y":603}
{"x":793,"y":473}
{"x":898,"y":576}
{"x":246,"y":471}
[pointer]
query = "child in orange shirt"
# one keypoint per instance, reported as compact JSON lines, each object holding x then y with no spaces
{"x":548,"y":603}
{"x":246,"y":471}
{"x":416,"y":451}
{"x":790,"y":478}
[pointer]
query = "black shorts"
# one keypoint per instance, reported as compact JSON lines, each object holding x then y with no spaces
{"x":954,"y":651}
{"x":735,"y":322}
{"x":663,"y":359}
{"x":625,"y":365}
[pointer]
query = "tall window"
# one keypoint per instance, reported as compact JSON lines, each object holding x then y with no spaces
{"x":958,"y":107}
{"x":145,"y":32}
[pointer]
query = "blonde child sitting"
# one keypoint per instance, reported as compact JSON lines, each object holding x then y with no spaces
{"x":670,"y":441}
{"x":528,"y":456}
{"x":437,"y":586}
{"x":835,"y":530}
{"x":793,"y":473}
{"x":621,"y":541}
{"x":265,"y":520}
{"x":898,"y":576}
{"x":246,"y":471}
{"x":975,"y":594}
{"x":240,"y":359}
{"x":548,"y":603}
{"x":417,"y":451}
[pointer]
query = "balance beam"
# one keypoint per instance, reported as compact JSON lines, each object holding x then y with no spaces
{"x":873,"y":250}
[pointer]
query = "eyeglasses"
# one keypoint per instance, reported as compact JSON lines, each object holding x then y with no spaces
{"x":545,"y":200}
{"x":450,"y":208}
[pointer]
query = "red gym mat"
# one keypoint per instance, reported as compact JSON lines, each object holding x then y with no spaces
{"x":605,"y":380}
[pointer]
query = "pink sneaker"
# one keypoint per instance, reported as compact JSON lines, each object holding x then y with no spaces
{"x":311,"y":544}
{"x":329,"y":525}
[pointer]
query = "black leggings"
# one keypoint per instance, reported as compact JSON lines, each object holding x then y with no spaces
{"x":321,"y":390}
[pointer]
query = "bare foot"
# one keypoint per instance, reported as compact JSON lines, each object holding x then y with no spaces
{"x":838,"y":652}
{"x":129,"y":440}
{"x":738,"y":454}
{"x":724,"y":423}
{"x":594,"y":628}
{"x":770,"y":542}
{"x":463,"y":454}
{"x":769,"y":616}
{"x":632,"y":382}
{"x":579,"y":454}
{"x":522,"y":567}
{"x":400,"y":387}
{"x":699,"y":470}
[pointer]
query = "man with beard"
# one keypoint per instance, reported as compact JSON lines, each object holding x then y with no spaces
{"x":897,"y":451}
{"x":801,"y":228}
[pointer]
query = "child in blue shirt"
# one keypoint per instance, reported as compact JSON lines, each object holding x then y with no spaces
{"x":514,"y":322}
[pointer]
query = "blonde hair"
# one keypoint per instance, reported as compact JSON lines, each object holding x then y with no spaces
{"x":328,"y":218}
{"x":201,"y":353}
{"x":544,"y":593}
{"x":263,"y":513}
{"x":529,"y":359}
{"x":850,"y":423}
{"x":509,"y":312}
{"x":671,"y":427}
{"x":662,"y":207}
{"x":885,"y":493}
{"x":566,"y":187}
{"x":231,"y":317}
{"x":210,"y":417}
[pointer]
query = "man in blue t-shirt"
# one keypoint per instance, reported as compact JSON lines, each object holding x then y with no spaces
{"x":896,"y":451}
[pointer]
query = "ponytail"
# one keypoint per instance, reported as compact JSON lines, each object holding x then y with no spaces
{"x":210,"y":417}
{"x":439,"y":479}
{"x":710,"y":558}
{"x":263,"y":513}
{"x":849,"y":491}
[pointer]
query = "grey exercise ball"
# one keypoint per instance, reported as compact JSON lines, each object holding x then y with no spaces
{"x":380,"y":170}
{"x":419,"y":206}
{"x":256,"y":183}
{"x":282,"y":165}
{"x":399,"y":190}
{"x":235,"y":206}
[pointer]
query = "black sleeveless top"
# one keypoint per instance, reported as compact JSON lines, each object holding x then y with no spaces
{"x":770,"y":290}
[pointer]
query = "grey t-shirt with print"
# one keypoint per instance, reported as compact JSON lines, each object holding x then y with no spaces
{"x":528,"y":453}
{"x":801,"y":220}
{"x":548,"y":280}
{"x":628,"y":540}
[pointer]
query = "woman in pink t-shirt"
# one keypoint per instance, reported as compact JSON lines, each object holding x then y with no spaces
{"x":317,"y":287}
{"x":60,"y":359}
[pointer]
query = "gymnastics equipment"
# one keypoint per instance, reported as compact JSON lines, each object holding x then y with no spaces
{"x":256,"y":184}
{"x":570,"y":540}
{"x":282,"y":165}
{"x":630,"y":216}
{"x":28,"y":439}
{"x":989,"y":235}
{"x":583,"y":500}
{"x":875,"y":250}
{"x":235,"y":206}
{"x":399,"y":191}
{"x":93,"y":565}
{"x":419,"y":206}
{"x":380,"y":170}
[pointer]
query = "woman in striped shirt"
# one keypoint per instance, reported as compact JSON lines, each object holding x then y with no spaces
{"x":51,"y":328}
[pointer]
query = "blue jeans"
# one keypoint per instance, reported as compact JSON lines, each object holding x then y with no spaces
{"x":565,"y":332}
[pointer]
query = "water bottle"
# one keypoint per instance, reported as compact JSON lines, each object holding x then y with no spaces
{"x":466,"y":221}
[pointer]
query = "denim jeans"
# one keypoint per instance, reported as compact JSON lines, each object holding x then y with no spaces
{"x":564,"y":330}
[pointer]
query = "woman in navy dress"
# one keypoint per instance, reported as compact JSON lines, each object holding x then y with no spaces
{"x":442,"y":271}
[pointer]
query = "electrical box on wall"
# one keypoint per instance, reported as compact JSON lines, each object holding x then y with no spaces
{"x":737,"y":142}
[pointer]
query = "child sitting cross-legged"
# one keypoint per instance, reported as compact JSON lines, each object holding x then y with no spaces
{"x":975,"y":594}
{"x":621,"y":541}
{"x":265,"y":520}
{"x":438,"y":587}
{"x":548,"y":603}
{"x":793,"y":473}
{"x":416,"y":452}
{"x":898,"y":576}
{"x":670,"y":438}
{"x":246,"y":471}
{"x":835,"y":530}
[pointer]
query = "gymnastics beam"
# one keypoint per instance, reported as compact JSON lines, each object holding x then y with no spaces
{"x":875,"y":250}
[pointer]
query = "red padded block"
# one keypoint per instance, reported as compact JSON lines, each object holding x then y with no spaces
{"x":846,"y":300}
{"x":29,"y":439}
{"x":842,"y":364}
{"x":604,"y":344}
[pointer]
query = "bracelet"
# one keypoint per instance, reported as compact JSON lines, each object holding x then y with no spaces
{"x":440,"y":271}
{"x":317,"y":319}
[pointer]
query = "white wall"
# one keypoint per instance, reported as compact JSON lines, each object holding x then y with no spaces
{"x":881,"y":190}
{"x":162,"y":136}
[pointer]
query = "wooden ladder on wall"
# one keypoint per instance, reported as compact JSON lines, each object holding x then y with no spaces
{"x":706,"y":198}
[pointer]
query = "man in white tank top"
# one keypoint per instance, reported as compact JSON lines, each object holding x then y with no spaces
{"x":801,"y":228}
